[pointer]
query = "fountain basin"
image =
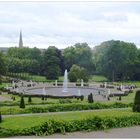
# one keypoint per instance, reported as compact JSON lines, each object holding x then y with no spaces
{"x":58,"y":91}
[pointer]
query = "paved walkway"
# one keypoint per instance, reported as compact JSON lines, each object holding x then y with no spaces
{"x":129,"y":132}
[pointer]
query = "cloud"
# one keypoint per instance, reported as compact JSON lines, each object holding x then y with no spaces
{"x":66,"y":23}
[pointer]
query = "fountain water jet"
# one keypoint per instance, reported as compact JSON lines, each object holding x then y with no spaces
{"x":44,"y":91}
{"x":56,"y":83}
{"x":65,"y":82}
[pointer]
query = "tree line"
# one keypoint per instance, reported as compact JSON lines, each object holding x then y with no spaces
{"x":117,"y":60}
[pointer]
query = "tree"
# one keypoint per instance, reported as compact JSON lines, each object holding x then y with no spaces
{"x":0,"y":117}
{"x":3,"y":67}
{"x":73,"y":74}
{"x":79,"y":54}
{"x":77,"y":73}
{"x":29,"y":99}
{"x":116,"y":59}
{"x":22,"y":104}
{"x":120,"y":98}
{"x":136,"y":106}
{"x":90,"y":98}
{"x":24,"y":60}
{"x":52,"y":63}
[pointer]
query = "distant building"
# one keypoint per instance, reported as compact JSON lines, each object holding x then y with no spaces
{"x":20,"y":40}
{"x":4,"y":49}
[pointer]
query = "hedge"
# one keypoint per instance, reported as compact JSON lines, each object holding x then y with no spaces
{"x":89,"y":124}
{"x":62,"y":107}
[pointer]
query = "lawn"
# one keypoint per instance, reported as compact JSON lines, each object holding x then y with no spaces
{"x":98,"y":78}
{"x":22,"y":122}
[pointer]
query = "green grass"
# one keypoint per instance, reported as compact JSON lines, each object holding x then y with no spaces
{"x":5,"y":84}
{"x":98,"y":78}
{"x":22,"y":122}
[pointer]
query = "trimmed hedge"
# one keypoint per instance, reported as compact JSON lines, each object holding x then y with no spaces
{"x":22,"y":104}
{"x":136,"y":106}
{"x":89,"y":124}
{"x":0,"y":118}
{"x":62,"y":107}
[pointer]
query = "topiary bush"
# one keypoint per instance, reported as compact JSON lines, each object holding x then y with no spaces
{"x":22,"y":104}
{"x":29,"y":99}
{"x":90,"y":98}
{"x":0,"y":118}
{"x":136,"y":106}
{"x":120,"y":98}
{"x":82,"y":97}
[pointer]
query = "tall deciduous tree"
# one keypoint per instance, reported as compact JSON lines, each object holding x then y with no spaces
{"x":116,"y":59}
{"x":52,"y":62}
{"x":80,"y":54}
{"x":77,"y":73}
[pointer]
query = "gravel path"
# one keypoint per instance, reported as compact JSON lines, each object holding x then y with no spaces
{"x":3,"y":98}
{"x":129,"y":132}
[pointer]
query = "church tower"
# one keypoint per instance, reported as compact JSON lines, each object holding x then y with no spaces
{"x":20,"y":40}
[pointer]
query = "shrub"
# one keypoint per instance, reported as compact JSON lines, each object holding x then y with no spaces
{"x":108,"y":98}
{"x":22,"y":104}
{"x":91,"y":123}
{"x":0,"y":118}
{"x":29,"y":99}
{"x":136,"y":106}
{"x":62,"y":101}
{"x":82,"y":97}
{"x":42,"y":98}
{"x":90,"y":98}
{"x":120,"y":98}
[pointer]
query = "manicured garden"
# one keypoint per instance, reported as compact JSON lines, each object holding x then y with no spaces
{"x":68,"y":122}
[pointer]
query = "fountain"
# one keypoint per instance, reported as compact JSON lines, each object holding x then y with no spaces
{"x":82,"y":84}
{"x":105,"y":84}
{"x":64,"y":90}
{"x":79,"y":93}
{"x":31,"y":83}
{"x":121,"y":87}
{"x":44,"y":91}
{"x":13,"y":84}
{"x":56,"y":83}
{"x":65,"y":82}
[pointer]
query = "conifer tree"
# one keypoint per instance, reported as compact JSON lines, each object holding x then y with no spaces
{"x":22,"y":104}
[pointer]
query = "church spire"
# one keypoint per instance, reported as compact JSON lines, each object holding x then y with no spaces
{"x":20,"y":40}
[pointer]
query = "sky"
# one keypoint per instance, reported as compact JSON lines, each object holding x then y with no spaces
{"x":63,"y":24}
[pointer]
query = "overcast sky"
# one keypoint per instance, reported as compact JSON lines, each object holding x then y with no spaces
{"x":65,"y":23}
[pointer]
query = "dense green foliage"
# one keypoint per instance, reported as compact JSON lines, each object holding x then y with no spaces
{"x":52,"y":63}
{"x":77,"y":73}
{"x":29,"y":99}
{"x":93,"y":122}
{"x":22,"y":104}
{"x":24,"y":60}
{"x":0,"y":118}
{"x":117,"y":60}
{"x":80,"y":54}
{"x":65,"y":106}
{"x":136,"y":106}
{"x":90,"y":98}
{"x":3,"y":67}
